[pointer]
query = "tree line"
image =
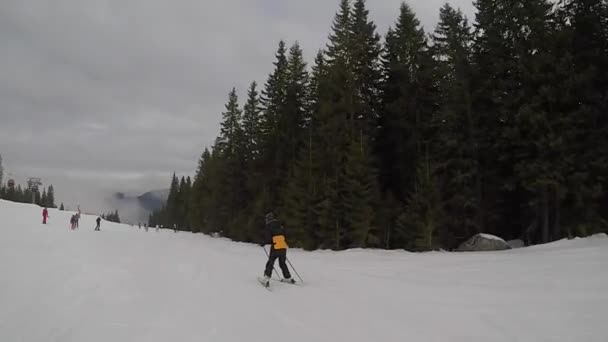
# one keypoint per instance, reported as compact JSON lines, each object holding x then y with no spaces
{"x":415,"y":140}
{"x":111,"y":217}
{"x":25,"y":195}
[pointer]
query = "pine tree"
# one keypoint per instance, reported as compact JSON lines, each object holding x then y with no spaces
{"x":229,"y":186}
{"x":366,"y":69}
{"x":273,"y":102}
{"x":200,"y":196}
{"x":406,"y":103}
{"x":252,"y":124}
{"x":291,"y":119}
{"x":50,"y":197}
{"x":182,"y":206}
{"x":581,"y":88}
{"x":337,"y":132}
{"x":335,"y":127}
{"x":340,"y":39}
{"x":254,"y":163}
{"x":454,"y":142}
{"x":497,"y":96}
{"x":43,"y":199}
{"x":226,"y":143}
{"x":172,"y":202}
{"x":303,"y":191}
{"x":61,"y":207}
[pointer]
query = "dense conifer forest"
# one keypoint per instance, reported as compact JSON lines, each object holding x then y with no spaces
{"x":417,"y":140}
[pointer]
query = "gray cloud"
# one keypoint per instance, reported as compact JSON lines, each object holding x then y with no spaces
{"x":103,"y":96}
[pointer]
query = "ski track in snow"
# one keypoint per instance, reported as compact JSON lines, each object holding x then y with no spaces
{"x":123,"y":284}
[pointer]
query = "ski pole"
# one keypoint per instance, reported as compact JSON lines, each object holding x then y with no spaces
{"x":294,"y":269}
{"x":268,"y":256}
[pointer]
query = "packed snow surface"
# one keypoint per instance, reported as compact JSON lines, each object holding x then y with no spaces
{"x":123,"y":284}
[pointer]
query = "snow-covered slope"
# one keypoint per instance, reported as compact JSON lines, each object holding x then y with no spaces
{"x":123,"y":284}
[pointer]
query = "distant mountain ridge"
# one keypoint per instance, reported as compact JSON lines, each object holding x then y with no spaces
{"x":136,"y":208}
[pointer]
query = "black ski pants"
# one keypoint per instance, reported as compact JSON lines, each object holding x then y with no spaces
{"x":275,"y":254}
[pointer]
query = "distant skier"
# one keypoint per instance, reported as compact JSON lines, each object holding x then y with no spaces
{"x":78,"y":217}
{"x":73,"y":222}
{"x":45,"y":215}
{"x":275,"y":235}
{"x":98,"y":223}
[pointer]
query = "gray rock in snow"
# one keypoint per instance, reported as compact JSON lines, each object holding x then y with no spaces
{"x":483,"y":242}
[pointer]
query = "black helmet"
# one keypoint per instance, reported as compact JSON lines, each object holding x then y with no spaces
{"x":269,"y":217}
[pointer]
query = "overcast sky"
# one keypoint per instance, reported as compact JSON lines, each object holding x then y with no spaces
{"x":104,"y":96}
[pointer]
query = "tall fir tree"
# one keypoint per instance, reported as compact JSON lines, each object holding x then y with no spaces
{"x":582,"y":92}
{"x":201,"y":195}
{"x":43,"y":199}
{"x":496,"y":98}
{"x":337,"y":132}
{"x":230,"y":186}
{"x":405,"y":64}
{"x":454,"y":142}
{"x":409,"y":103}
{"x":292,"y":118}
{"x":172,"y":203}
{"x":366,"y":69}
{"x":302,"y":191}
{"x":252,"y":124}
{"x":50,"y":196}
{"x":340,"y":40}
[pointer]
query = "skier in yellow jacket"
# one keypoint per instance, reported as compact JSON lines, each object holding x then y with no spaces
{"x":275,"y":235}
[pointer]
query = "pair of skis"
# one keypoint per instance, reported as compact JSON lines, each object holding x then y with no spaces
{"x":266,"y":283}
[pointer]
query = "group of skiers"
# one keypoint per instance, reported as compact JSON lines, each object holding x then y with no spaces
{"x":74,"y":220}
{"x":146,"y":227}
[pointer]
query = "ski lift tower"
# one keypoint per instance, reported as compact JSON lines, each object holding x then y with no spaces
{"x":33,"y":184}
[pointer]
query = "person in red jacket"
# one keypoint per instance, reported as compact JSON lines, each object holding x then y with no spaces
{"x":45,"y":214}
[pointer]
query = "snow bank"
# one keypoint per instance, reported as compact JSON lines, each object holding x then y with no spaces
{"x":490,"y":237}
{"x":123,"y":284}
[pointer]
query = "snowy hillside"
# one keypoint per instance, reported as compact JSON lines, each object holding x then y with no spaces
{"x":123,"y":284}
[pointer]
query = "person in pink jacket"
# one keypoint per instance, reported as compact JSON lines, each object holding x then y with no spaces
{"x":45,"y":214}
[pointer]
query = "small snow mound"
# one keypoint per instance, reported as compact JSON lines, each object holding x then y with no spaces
{"x":483,"y":242}
{"x":490,"y":237}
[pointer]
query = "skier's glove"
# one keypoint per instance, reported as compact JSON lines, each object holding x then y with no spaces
{"x":262,"y":245}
